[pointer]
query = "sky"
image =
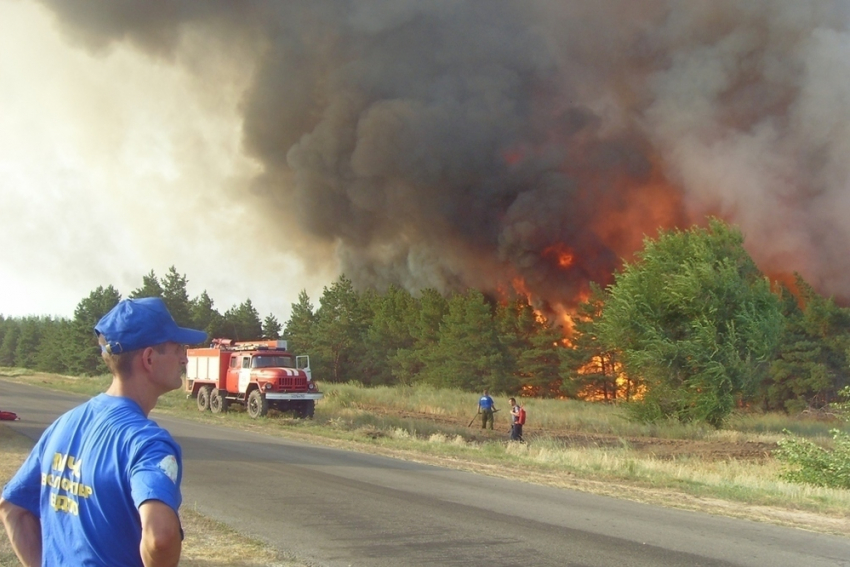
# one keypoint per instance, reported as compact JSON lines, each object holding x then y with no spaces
{"x":264,"y":148}
{"x":106,"y":160}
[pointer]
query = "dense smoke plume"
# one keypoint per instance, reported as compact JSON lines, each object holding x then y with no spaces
{"x":500,"y":144}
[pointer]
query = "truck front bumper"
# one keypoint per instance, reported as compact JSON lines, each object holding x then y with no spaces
{"x":272,"y":396}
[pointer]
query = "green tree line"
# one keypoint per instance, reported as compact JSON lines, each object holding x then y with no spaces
{"x":689,"y":331}
{"x":68,"y":346}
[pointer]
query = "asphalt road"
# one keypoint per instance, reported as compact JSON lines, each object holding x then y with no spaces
{"x":342,"y":508}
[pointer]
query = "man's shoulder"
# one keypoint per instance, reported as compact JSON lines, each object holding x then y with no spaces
{"x":74,"y":416}
{"x":122,"y":416}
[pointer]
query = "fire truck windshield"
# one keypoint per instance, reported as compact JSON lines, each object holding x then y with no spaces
{"x":261,"y":361}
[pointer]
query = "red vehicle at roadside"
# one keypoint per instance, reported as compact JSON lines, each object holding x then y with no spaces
{"x":259,"y":374}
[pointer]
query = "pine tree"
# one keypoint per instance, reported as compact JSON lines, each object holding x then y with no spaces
{"x":468,"y":354}
{"x":338,"y":332}
{"x":176,"y":297}
{"x":84,"y":352}
{"x":243,"y":322}
{"x":810,"y":366}
{"x":298,"y":330}
{"x":430,"y":309}
{"x":391,"y":317}
{"x":3,"y":325}
{"x":26,"y":350}
{"x":271,"y":328}
{"x":204,"y":316}
{"x":150,"y":287}
{"x":10,"y":342}
{"x":54,"y":349}
{"x":532,"y":348}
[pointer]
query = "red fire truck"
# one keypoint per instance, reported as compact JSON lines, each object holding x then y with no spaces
{"x":258,"y":374}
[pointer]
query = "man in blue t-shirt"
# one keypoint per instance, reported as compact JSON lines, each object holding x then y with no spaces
{"x":486,"y":407}
{"x":102,"y":485}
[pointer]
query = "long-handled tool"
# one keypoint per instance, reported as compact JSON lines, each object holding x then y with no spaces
{"x":474,"y":417}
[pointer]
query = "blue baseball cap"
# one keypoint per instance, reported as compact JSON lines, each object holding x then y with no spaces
{"x":141,"y":323}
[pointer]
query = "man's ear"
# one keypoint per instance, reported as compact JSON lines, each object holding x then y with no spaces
{"x":147,"y":358}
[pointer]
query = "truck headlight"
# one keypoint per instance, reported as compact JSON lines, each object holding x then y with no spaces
{"x":267,"y":386}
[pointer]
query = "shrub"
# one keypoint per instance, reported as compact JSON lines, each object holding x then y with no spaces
{"x":842,"y":408}
{"x":807,"y":463}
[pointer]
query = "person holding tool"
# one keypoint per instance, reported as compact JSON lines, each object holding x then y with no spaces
{"x":486,"y":408}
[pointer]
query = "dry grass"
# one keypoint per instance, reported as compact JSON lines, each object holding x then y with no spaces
{"x":208,"y":543}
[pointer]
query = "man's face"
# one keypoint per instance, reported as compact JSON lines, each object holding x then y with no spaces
{"x":170,"y":358}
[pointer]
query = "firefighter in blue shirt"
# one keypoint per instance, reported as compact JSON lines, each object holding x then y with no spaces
{"x":486,"y":407}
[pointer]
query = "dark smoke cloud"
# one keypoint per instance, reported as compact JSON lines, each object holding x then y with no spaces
{"x":447,"y":144}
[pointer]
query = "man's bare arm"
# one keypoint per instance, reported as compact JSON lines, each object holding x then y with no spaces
{"x":24,"y":531}
{"x":161,"y":539}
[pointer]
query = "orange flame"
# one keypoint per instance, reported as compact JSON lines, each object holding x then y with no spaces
{"x":560,"y":253}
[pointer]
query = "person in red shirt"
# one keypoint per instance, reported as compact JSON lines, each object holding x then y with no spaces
{"x":516,"y":426}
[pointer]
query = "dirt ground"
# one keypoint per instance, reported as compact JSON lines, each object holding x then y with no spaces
{"x":671,"y":448}
{"x":712,"y":450}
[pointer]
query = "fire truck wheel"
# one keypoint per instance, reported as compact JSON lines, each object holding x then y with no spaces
{"x":204,"y":398}
{"x":217,"y":402}
{"x":307,"y":409}
{"x":258,"y":406}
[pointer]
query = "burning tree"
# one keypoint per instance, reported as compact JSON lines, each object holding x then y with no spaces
{"x":592,"y":369}
{"x":532,"y":345}
{"x":696,"y":320}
